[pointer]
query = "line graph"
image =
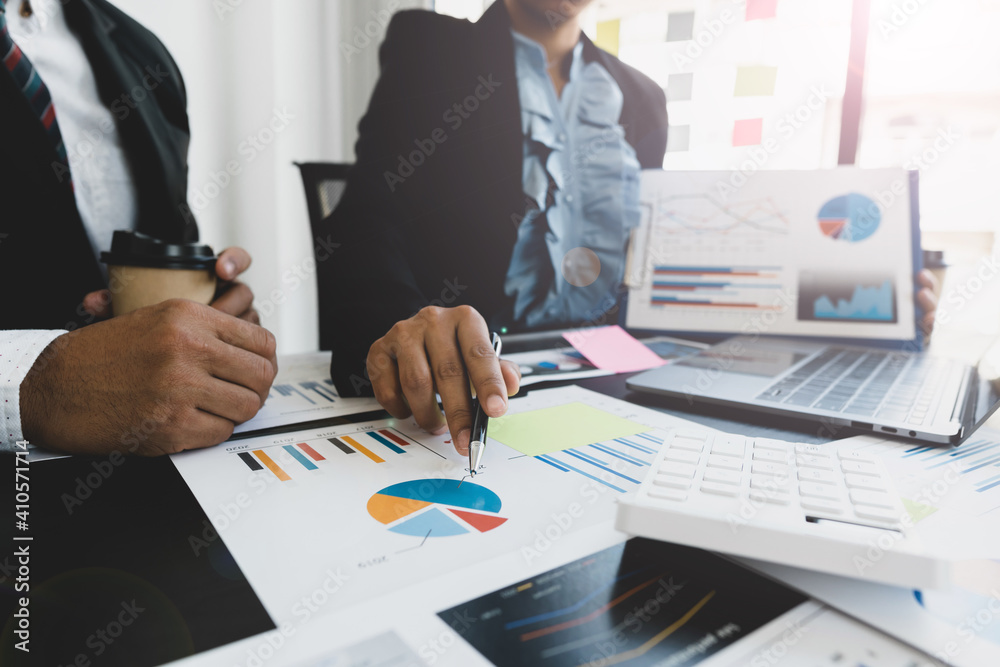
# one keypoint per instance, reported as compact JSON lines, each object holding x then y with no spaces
{"x":702,"y":214}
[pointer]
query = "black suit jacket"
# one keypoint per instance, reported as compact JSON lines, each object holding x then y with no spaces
{"x":430,"y":211}
{"x":46,"y":262}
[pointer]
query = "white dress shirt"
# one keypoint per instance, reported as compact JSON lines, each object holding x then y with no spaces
{"x":102,"y":181}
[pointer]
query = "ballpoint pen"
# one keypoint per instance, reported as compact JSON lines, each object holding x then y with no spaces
{"x":477,"y":438}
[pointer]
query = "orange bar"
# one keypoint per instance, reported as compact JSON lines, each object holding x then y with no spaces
{"x":361,"y":448}
{"x":272,"y":466}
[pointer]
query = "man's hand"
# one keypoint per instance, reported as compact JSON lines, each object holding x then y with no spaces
{"x":231,"y":296}
{"x":927,"y":300}
{"x":162,"y":379}
{"x":441,"y":349}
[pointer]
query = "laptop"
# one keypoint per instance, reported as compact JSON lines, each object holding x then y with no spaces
{"x":814,"y":273}
{"x":907,"y":394}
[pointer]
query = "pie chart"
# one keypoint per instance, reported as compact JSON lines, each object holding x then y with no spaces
{"x":849,"y":218}
{"x":436,"y":508}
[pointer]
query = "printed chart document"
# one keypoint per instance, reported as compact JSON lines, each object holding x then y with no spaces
{"x":352,"y":531}
{"x":808,"y":253}
{"x":379,"y":501}
{"x":303,"y":392}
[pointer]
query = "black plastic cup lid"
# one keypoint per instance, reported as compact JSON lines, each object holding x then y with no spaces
{"x":137,"y":249}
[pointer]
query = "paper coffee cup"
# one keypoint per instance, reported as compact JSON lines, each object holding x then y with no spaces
{"x":144,"y":271}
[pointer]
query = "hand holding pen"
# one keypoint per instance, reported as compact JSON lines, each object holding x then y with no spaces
{"x":480,"y":421}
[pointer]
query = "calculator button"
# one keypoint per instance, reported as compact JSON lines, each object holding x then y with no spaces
{"x":720,"y":489}
{"x":822,"y":505}
{"x":700,"y":436}
{"x":855,"y":481}
{"x":678,"y":469}
{"x":770,"y":455}
{"x":811,"y":450}
{"x":728,"y":446}
{"x":668,"y":494}
{"x":725,"y":462}
{"x":682,"y":456}
{"x":772,"y":497}
{"x":860,"y":467}
{"x":855,"y":455}
{"x":813,"y":461}
{"x":671,"y":482}
{"x":767,"y":468}
{"x":772,"y":445}
{"x":873,"y":498}
{"x":766,"y":482}
{"x":687,"y":444}
{"x":814,"y":490}
{"x":820,"y":476}
{"x":722,"y":476}
{"x":878,"y":513}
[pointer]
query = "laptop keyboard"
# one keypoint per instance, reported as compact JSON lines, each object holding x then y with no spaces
{"x":889,"y":385}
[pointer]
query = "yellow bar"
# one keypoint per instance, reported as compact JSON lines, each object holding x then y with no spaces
{"x":361,"y":448}
{"x":272,"y":466}
{"x":524,"y":587}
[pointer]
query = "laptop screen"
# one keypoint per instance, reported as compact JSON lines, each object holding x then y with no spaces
{"x":830,"y":254}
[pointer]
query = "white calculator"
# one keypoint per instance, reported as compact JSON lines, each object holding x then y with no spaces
{"x":808,"y":506}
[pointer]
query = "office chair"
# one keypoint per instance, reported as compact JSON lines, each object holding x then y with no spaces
{"x":324,"y":183}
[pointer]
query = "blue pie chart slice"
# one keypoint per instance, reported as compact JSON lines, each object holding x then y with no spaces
{"x":851,"y":218}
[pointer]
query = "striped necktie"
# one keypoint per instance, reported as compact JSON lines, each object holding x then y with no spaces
{"x":34,"y":90}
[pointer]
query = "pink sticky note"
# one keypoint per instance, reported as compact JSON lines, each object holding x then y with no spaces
{"x":761,"y":9}
{"x":748,"y":132}
{"x":613,"y":349}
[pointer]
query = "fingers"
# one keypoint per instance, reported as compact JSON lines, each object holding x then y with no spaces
{"x":511,"y":377}
{"x":481,"y":362}
{"x":244,"y":335}
{"x":238,"y":367}
{"x":927,"y":279}
{"x":231,"y":263}
{"x":98,"y":304}
{"x":230,"y":401}
{"x":927,"y":300}
{"x":384,"y":375}
{"x":236,"y":300}
{"x":417,"y":382}
{"x":452,"y":381}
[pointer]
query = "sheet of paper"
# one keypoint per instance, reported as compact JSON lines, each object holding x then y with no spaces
{"x":804,"y":253}
{"x":373,"y":503}
{"x":613,"y":349}
{"x":955,"y":637}
{"x":303,"y":392}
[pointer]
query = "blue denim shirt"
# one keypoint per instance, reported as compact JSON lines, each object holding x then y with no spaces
{"x":581,"y":186}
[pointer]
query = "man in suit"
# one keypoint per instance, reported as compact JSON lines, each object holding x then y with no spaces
{"x":95,"y":138}
{"x":495,"y":185}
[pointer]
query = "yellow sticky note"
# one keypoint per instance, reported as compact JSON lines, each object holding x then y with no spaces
{"x":561,"y":427}
{"x":755,"y":80}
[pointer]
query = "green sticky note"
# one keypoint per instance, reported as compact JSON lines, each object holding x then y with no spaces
{"x":917,"y":511}
{"x":561,"y":427}
{"x":755,"y":80}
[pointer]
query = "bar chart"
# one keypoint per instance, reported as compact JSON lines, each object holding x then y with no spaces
{"x":284,"y":461}
{"x":733,"y":287}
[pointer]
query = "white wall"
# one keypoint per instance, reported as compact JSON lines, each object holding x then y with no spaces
{"x":289,"y":74}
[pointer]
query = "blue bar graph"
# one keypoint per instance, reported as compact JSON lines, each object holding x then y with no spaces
{"x":298,"y":456}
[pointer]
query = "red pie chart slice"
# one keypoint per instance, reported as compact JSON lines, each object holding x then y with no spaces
{"x":481,"y":522}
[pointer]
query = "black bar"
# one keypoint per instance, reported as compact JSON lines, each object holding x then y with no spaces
{"x":251,"y":462}
{"x":342,"y":446}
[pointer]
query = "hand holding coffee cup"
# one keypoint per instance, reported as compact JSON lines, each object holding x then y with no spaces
{"x":144,"y":271}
